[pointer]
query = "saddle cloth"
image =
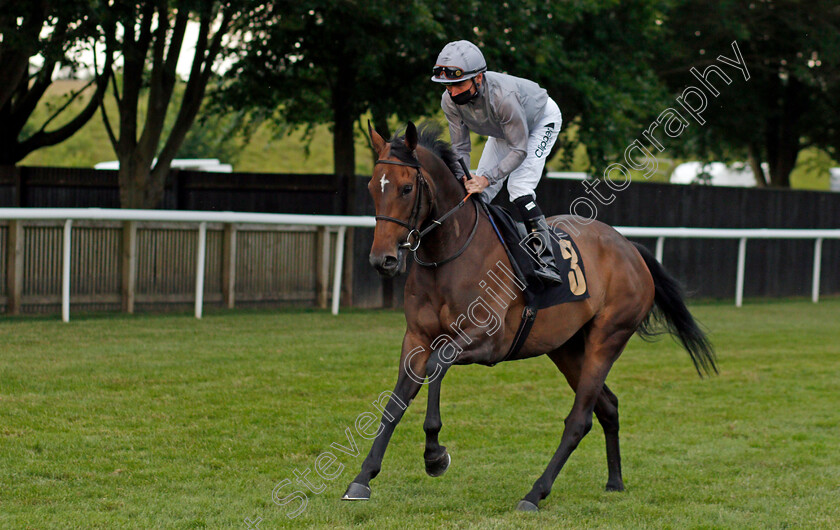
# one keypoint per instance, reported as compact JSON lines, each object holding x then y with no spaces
{"x":566,"y":255}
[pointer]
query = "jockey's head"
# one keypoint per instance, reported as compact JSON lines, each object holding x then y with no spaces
{"x":460,"y":67}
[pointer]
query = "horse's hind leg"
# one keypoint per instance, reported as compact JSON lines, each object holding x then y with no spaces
{"x":568,"y":360}
{"x":607,"y":412}
{"x":603,"y":345}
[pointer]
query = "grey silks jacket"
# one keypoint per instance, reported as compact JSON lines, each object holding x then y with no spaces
{"x":507,"y":108}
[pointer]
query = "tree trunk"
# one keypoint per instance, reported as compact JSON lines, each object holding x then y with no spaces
{"x":782,"y":135}
{"x":784,"y":160}
{"x":344,"y":149}
{"x":380,"y":123}
{"x":137,"y":187}
{"x":141,"y":185}
{"x":754,"y":159}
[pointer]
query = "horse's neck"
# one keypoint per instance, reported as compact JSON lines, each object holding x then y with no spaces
{"x":448,"y":191}
{"x":483,"y":251}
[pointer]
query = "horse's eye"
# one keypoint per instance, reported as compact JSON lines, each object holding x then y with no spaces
{"x":407,"y":189}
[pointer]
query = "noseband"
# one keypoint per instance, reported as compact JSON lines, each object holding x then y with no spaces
{"x":413,"y":220}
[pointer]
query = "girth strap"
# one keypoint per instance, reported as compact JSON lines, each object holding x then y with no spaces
{"x":529,"y":314}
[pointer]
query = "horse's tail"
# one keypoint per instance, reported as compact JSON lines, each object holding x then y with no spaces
{"x":671,"y":313}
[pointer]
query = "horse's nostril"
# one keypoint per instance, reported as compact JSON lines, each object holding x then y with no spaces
{"x":390,"y":262}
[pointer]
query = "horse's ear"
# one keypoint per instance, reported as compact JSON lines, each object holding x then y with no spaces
{"x":377,"y":141}
{"x":411,"y":136}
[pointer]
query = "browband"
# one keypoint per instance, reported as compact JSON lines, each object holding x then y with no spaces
{"x":415,"y":165}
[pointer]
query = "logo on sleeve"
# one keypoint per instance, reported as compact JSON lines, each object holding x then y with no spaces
{"x":543,"y":145}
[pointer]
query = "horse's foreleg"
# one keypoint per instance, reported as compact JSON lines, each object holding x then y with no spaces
{"x":406,"y":388}
{"x":436,"y":457}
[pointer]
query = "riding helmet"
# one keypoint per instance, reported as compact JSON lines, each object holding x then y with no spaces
{"x":458,"y":61}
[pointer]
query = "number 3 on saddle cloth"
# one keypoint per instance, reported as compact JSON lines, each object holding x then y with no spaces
{"x":513,"y":236}
{"x":538,"y":296}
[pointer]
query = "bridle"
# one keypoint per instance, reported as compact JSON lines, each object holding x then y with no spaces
{"x":413,"y":220}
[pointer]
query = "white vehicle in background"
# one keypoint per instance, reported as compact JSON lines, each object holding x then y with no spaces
{"x":834,"y":176}
{"x":738,"y":174}
{"x":195,"y":164}
{"x":570,"y":175}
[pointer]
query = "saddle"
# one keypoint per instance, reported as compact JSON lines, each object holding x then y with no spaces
{"x":512,"y":235}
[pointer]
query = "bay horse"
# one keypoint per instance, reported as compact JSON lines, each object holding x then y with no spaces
{"x":418,"y":203}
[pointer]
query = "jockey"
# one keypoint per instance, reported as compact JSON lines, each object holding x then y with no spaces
{"x":521,"y":122}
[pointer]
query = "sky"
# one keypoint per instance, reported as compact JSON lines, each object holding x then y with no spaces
{"x":184,"y":60}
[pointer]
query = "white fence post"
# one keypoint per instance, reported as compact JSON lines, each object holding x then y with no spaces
{"x":660,"y":247}
{"x":65,"y":272}
{"x":199,"y":268}
{"x":815,"y":282}
{"x":339,"y":266}
{"x":739,"y":281}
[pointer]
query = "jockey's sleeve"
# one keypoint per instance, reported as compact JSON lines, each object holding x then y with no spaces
{"x":459,"y":135}
{"x":514,"y":124}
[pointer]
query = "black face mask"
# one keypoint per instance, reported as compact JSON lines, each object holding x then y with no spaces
{"x":464,"y":97}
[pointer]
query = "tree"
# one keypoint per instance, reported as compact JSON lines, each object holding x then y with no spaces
{"x":51,"y":30}
{"x":150,"y":39}
{"x":328,"y":61}
{"x":213,"y":136}
{"x":792,"y":52}
{"x":323,"y":61}
{"x":593,"y":57}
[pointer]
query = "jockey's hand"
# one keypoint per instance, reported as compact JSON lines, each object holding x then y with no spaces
{"x":477,"y":184}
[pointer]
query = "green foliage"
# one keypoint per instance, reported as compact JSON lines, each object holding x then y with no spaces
{"x":322,"y":62}
{"x":313,"y":72}
{"x":792,"y":51}
{"x":212,"y":136}
{"x":173,"y":422}
{"x":301,"y":56}
{"x":39,"y":40}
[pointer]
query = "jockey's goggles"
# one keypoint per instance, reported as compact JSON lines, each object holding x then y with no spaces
{"x":452,"y":73}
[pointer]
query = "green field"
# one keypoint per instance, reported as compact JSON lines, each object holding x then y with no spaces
{"x":171,"y":422}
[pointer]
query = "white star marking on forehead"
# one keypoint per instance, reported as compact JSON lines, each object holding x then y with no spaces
{"x":383,"y":181}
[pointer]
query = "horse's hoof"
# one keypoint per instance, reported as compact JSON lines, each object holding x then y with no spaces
{"x":619,"y":486}
{"x":436,"y":468}
{"x":356,"y":492}
{"x":526,"y":506}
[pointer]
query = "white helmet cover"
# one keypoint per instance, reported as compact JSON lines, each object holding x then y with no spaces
{"x":460,"y":60}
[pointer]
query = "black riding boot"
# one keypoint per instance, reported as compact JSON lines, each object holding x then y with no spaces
{"x":542,"y":248}
{"x":539,"y":240}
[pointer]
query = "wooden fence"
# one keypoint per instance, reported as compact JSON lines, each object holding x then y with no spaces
{"x":286,"y":274}
{"x":144,"y":266}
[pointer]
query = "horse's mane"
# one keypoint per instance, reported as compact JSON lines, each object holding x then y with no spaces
{"x":429,"y":136}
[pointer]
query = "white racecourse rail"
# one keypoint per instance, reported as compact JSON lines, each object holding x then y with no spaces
{"x":201,"y":218}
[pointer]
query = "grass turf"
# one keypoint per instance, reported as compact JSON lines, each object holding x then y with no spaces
{"x":167,"y":421}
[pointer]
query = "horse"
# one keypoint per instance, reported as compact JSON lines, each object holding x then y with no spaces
{"x":421,"y":207}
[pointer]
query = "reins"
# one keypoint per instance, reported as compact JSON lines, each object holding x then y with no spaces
{"x":413,"y":220}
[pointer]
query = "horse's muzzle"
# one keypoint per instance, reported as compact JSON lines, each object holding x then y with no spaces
{"x":387,"y":265}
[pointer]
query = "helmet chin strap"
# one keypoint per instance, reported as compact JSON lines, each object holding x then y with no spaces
{"x":477,"y":89}
{"x":466,"y":96}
